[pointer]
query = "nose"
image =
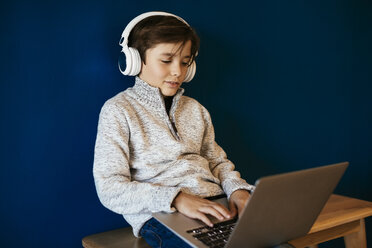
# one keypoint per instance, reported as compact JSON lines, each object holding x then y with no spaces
{"x":176,"y":69}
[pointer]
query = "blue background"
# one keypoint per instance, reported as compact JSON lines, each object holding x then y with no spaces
{"x":288,"y":85}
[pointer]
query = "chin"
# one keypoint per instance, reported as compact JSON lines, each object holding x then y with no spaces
{"x":169,"y":93}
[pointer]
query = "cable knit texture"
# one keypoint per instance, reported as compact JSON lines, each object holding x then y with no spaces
{"x":142,"y":161}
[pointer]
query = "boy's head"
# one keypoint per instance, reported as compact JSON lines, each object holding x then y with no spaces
{"x":150,"y":30}
{"x":154,"y":30}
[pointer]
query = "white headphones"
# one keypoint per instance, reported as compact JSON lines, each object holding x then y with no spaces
{"x":132,"y":57}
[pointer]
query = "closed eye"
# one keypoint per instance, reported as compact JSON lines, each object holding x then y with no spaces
{"x":170,"y":61}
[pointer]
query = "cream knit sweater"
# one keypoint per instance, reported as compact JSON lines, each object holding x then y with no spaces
{"x":141,"y":162}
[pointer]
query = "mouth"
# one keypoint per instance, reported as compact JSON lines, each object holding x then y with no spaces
{"x":172,"y":84}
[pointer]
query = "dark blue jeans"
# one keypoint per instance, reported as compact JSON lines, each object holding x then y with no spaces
{"x":158,"y":236}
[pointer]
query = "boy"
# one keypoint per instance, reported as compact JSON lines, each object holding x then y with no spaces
{"x":155,"y":149}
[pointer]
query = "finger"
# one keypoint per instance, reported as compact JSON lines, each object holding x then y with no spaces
{"x":222,"y":210}
{"x":233,"y":209}
{"x":219,"y":207}
{"x":212,"y":211}
{"x":204,"y":218}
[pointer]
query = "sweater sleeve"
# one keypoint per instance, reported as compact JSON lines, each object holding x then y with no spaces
{"x":220,"y":166}
{"x":111,"y":170}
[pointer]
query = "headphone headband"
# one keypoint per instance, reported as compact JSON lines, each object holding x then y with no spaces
{"x":125,"y":35}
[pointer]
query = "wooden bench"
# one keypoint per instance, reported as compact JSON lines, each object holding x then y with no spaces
{"x":341,"y":217}
{"x":118,"y":238}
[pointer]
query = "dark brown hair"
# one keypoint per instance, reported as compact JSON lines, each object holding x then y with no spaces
{"x":154,"y":30}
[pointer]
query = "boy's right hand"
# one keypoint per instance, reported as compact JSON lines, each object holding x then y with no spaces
{"x":197,"y":208}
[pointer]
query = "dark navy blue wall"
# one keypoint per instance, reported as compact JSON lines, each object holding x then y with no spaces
{"x":288,"y":84}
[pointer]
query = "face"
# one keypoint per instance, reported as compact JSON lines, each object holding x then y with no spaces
{"x":166,"y":66}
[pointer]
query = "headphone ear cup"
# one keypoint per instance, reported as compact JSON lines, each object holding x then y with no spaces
{"x":136,"y":62}
{"x":130,"y":62}
{"x":190,"y":72}
{"x":122,"y":62}
{"x":125,"y":61}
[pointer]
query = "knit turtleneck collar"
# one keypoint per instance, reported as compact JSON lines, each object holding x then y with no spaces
{"x":152,"y":95}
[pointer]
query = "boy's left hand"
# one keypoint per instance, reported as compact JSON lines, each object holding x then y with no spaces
{"x":237,"y":201}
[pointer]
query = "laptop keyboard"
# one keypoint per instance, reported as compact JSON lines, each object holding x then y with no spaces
{"x":216,"y":236}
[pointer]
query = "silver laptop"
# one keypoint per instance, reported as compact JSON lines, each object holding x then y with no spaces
{"x":282,"y":207}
